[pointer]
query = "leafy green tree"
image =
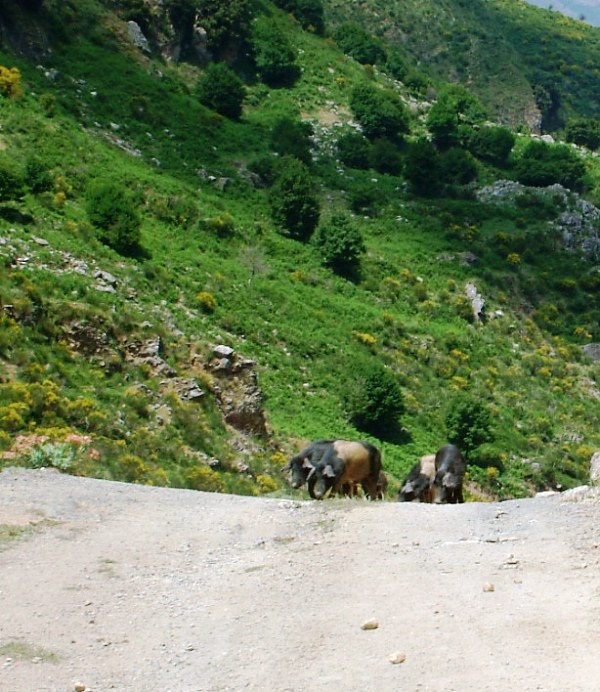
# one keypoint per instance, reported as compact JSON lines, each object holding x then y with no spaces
{"x":341,"y":245}
{"x":113,"y":212}
{"x":423,"y":167}
{"x":374,"y":400}
{"x":274,"y":56}
{"x":492,"y":143}
{"x":451,"y":118}
{"x":12,"y":182}
{"x":385,"y":157}
{"x":309,"y":13}
{"x":381,"y":113}
{"x":221,"y":90}
{"x":584,"y":131}
{"x":292,"y":138}
{"x":468,"y":423}
{"x":356,"y":42}
{"x":458,"y":166}
{"x":293,"y":200}
{"x":542,"y":164}
{"x":353,"y":150}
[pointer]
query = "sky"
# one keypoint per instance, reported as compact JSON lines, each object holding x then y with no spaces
{"x":590,"y":9}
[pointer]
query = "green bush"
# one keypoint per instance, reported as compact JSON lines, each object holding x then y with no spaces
{"x":542,"y":164}
{"x":492,"y":143}
{"x":385,"y":157}
{"x":112,"y":211}
{"x":381,"y":113}
{"x":469,"y":424}
{"x":584,"y":131}
{"x":458,"y":166}
{"x":293,"y":201}
{"x":356,"y":42}
{"x":221,"y":90}
{"x":341,"y":245}
{"x":308,"y":12}
{"x":423,"y":167}
{"x":12,"y":182}
{"x":292,"y":138}
{"x":274,"y":56}
{"x":353,"y":150}
{"x":374,"y":400}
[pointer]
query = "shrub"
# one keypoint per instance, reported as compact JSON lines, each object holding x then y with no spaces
{"x":353,"y":150}
{"x":468,"y":423}
{"x":374,"y":400}
{"x":422,"y":167}
{"x":385,"y":157}
{"x":226,"y":22}
{"x":206,"y":301}
{"x":112,"y":211}
{"x":308,"y":12}
{"x":274,"y":56}
{"x":204,"y":478}
{"x":542,"y":164}
{"x":451,"y":118}
{"x":492,"y":144}
{"x":359,"y":44}
{"x":381,"y":113}
{"x":458,"y":166}
{"x":293,"y":201}
{"x":341,"y":245}
{"x":292,"y":138}
{"x":10,"y":82}
{"x":12,"y":181}
{"x":221,"y":90}
{"x":584,"y":131}
{"x":37,"y":175}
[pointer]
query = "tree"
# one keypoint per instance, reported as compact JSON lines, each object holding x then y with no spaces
{"x":273,"y":54}
{"x":12,"y":181}
{"x":451,"y":118}
{"x":221,"y":90}
{"x":341,"y":245}
{"x":375,"y":400}
{"x":353,"y":150}
{"x":492,"y":143}
{"x":542,"y":164}
{"x":381,"y":113}
{"x":359,"y":44}
{"x":308,"y":12}
{"x":422,"y":167}
{"x":112,"y":211}
{"x":385,"y":157}
{"x":458,"y":166}
{"x":585,"y":132}
{"x":293,"y":201}
{"x":292,"y":138}
{"x":468,"y":423}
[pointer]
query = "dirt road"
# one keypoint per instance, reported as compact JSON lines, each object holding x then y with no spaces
{"x":138,"y":589}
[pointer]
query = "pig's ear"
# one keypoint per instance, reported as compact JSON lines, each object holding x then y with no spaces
{"x":328,"y":471}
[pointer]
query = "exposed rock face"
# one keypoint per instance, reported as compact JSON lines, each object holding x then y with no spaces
{"x":592,"y":351}
{"x":237,"y":391}
{"x":136,"y":36}
{"x":476,"y":300}
{"x":149,"y":353}
{"x":595,"y":469}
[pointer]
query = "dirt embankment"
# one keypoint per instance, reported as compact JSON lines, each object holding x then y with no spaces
{"x":107,"y":586}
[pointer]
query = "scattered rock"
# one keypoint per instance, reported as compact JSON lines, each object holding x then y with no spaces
{"x":371,"y":624}
{"x":79,"y":687}
{"x":397,"y":657}
{"x":595,"y":469}
{"x":488,"y":587}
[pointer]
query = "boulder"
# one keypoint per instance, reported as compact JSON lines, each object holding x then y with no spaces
{"x":595,"y":469}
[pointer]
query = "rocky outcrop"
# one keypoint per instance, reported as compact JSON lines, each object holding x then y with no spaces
{"x":235,"y":385}
{"x":595,"y":469}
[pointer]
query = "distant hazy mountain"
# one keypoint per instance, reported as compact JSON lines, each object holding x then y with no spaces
{"x":589,"y":10}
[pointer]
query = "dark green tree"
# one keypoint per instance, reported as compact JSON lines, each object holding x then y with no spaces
{"x":381,"y":113}
{"x":111,"y":209}
{"x":221,"y":90}
{"x":293,"y":200}
{"x":292,"y":138}
{"x":423,"y":167}
{"x":374,"y":400}
{"x":12,"y":181}
{"x":458,"y":167}
{"x":492,"y":143}
{"x":274,"y":56}
{"x":451,"y":118}
{"x":468,"y":423}
{"x":341,"y":245}
{"x":356,"y":42}
{"x":584,"y":131}
{"x":353,"y":150}
{"x":385,"y":157}
{"x":542,"y":164}
{"x":309,"y":13}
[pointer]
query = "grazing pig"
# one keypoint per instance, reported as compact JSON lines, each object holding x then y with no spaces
{"x":449,"y":474}
{"x":418,"y":484}
{"x":302,"y":463}
{"x":346,"y":463}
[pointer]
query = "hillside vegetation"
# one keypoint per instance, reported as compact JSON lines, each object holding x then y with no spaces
{"x":322,"y":201}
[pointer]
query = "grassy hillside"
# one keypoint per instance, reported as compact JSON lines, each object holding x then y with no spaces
{"x":213,"y":266}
